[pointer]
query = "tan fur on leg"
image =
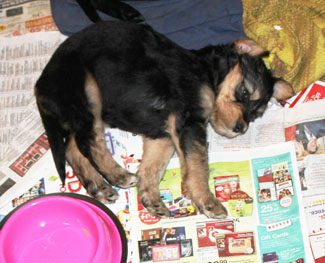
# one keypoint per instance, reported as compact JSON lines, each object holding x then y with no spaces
{"x":195,"y":173}
{"x":171,"y":129}
{"x":197,"y":183}
{"x":88,"y":176}
{"x":156,"y":155}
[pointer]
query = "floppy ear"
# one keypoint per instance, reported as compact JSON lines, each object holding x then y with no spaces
{"x":282,"y":90}
{"x":248,"y":46}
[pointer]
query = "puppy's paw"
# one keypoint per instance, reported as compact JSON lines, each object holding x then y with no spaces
{"x":212,"y":208}
{"x":153,"y":204}
{"x":126,"y":180}
{"x":103,"y":192}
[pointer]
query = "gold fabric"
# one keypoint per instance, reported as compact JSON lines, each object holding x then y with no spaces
{"x":294,"y":32}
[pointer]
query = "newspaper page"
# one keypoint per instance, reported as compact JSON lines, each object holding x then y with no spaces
{"x":305,"y":126}
{"x":315,"y":91}
{"x":266,"y":223}
{"x":27,"y":170}
{"x":263,"y":131}
{"x":260,"y":190}
{"x":22,"y":60}
{"x":18,"y":17}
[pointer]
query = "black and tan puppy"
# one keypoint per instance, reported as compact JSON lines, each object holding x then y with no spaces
{"x":128,"y":76}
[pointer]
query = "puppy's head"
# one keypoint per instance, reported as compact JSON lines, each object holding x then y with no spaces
{"x":245,"y":90}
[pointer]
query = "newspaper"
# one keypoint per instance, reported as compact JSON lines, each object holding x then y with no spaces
{"x":260,"y":188}
{"x":313,"y":92}
{"x":21,"y":62}
{"x":18,"y":17}
{"x":305,"y":126}
{"x":261,"y":191}
{"x":261,"y":225}
{"x":262,"y":132}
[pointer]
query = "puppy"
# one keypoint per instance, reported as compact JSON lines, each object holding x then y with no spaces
{"x":128,"y":76}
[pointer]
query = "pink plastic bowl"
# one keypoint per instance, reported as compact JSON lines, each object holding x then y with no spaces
{"x":62,"y":228}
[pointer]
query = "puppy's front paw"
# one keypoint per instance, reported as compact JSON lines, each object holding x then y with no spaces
{"x":103,"y":192}
{"x":212,"y":208}
{"x":152,"y":202}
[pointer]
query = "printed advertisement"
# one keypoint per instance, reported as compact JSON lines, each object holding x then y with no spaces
{"x":265,"y":221}
{"x":278,"y":210}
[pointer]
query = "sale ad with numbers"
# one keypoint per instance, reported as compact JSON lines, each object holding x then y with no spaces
{"x":279,"y":214}
{"x":265,"y":223}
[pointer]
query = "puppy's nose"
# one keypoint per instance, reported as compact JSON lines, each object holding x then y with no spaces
{"x":239,"y":127}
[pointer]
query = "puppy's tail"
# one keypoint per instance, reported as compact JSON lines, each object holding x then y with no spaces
{"x":57,"y":139}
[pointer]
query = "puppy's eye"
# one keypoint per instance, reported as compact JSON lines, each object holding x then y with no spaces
{"x":242,"y":93}
{"x":245,"y":93}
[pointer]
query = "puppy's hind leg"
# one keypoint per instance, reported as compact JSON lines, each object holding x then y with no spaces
{"x":102,"y":159}
{"x":88,"y":176}
{"x":91,"y":141}
{"x":156,"y":155}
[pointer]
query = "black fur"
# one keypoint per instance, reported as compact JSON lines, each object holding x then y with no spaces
{"x":143,"y":79}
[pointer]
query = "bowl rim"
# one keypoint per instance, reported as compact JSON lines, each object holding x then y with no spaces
{"x":88,"y":199}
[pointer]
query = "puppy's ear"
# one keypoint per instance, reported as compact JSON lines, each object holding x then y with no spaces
{"x":282,"y":90}
{"x":248,"y":46}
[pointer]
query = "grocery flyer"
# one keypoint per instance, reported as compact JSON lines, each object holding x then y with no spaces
{"x":265,"y":223}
